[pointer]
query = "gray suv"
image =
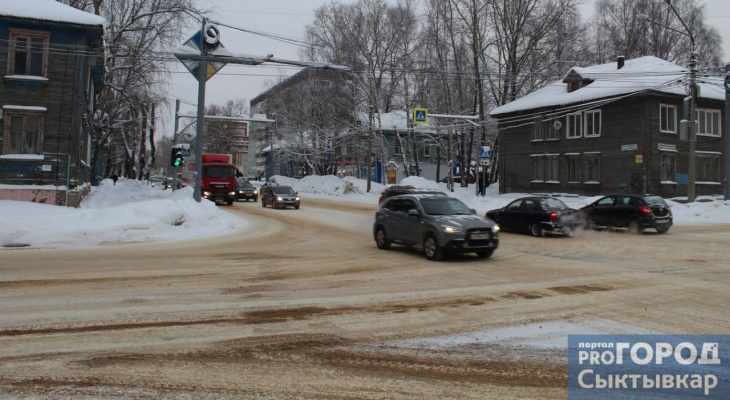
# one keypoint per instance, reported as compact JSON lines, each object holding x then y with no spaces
{"x":437,"y":224}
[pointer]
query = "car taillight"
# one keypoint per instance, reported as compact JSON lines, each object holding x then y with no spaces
{"x":645,"y":210}
{"x":553,"y":215}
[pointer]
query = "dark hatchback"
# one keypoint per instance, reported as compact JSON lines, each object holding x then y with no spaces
{"x":279,"y":196}
{"x":635,"y":212}
{"x":537,"y":216}
{"x":246,"y":191}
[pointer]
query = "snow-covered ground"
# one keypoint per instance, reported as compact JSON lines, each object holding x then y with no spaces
{"x":135,"y":212}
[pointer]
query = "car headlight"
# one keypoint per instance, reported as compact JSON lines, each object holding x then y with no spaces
{"x":495,"y":228}
{"x":232,"y":193}
{"x":279,"y":199}
{"x":206,"y":194}
{"x":297,"y":199}
{"x":451,"y":229}
{"x":255,"y":192}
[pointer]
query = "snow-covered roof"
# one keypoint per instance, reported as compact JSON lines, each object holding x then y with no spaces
{"x":637,"y":75}
{"x":48,"y":10}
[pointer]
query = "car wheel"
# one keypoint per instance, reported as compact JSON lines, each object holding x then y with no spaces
{"x":536,"y":230}
{"x":229,"y":202}
{"x":635,"y":227}
{"x":662,"y":229}
{"x":381,"y":239}
{"x":431,"y":248}
{"x":296,"y":207}
{"x":485,"y":254}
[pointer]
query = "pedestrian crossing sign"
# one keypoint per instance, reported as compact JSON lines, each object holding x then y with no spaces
{"x":420,"y":115}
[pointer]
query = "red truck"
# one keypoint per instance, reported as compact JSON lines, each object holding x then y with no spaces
{"x":219,"y":177}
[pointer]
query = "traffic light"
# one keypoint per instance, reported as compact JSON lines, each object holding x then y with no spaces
{"x":176,"y":158}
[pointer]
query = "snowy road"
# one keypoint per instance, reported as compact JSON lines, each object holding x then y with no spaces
{"x":302,"y":304}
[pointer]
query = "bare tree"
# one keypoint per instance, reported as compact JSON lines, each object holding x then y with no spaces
{"x":620,"y":33}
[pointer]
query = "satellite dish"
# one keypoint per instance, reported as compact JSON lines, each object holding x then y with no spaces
{"x":557,"y":125}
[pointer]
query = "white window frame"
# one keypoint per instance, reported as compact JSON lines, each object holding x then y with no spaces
{"x":538,"y":134}
{"x":573,"y":129}
{"x":573,"y":161}
{"x":592,"y":116}
{"x":537,"y":168}
{"x":672,"y":157}
{"x":707,"y":114}
{"x":665,"y":125}
{"x":588,"y":167}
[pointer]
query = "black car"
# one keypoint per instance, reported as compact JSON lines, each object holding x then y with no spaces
{"x":538,"y":216}
{"x":246,"y":191}
{"x":438,"y":224}
{"x":397,"y":190}
{"x":633,"y":211}
{"x":279,"y":196}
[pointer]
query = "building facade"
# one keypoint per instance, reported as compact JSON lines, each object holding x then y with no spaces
{"x":612,"y":128}
{"x":51,"y":56}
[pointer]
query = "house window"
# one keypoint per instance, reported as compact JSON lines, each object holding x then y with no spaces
{"x":553,"y":129}
{"x":593,"y":168}
{"x":593,"y":123}
{"x":23,"y":133}
{"x":396,"y":146}
{"x":668,"y":167}
{"x":427,"y":148}
{"x":708,"y":167}
{"x":538,"y":168}
{"x":573,"y":168}
{"x":708,"y":122}
{"x":575,"y":126}
{"x":537,"y":130}
{"x":667,"y":118}
{"x":552,"y":172}
{"x":28,"y":52}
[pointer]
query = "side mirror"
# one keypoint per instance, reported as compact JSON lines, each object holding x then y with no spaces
{"x":413,"y":212}
{"x":473,"y":211}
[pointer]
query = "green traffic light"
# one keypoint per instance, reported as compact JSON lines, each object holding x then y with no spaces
{"x":178,"y":162}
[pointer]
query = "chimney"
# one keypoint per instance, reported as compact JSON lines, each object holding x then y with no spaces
{"x":620,"y":62}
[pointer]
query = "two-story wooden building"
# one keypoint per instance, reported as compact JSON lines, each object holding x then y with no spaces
{"x":612,"y":128}
{"x":51,"y":57}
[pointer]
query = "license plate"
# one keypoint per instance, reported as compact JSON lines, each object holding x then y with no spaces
{"x":662,"y":220}
{"x":479,"y":236}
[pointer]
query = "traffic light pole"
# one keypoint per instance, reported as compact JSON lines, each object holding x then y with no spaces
{"x":174,"y":136}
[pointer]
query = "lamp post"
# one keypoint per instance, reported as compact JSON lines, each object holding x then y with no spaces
{"x":691,"y":167}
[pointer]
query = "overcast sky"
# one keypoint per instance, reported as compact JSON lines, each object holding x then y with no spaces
{"x":288,"y":18}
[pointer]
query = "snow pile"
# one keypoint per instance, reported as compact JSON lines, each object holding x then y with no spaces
{"x":128,"y":212}
{"x":331,"y":185}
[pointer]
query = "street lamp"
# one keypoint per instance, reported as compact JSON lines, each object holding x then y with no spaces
{"x":691,"y":168}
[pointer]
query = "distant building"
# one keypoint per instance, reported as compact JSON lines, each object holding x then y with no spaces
{"x":313,"y":105}
{"x":612,"y":128}
{"x":52,"y":58}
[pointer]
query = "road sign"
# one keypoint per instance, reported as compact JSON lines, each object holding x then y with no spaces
{"x":212,"y":47}
{"x":420,"y":115}
{"x":485,"y":155}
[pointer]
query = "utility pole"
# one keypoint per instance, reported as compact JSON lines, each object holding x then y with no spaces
{"x":202,"y":77}
{"x":691,"y":167}
{"x":727,"y":132}
{"x":174,"y":136}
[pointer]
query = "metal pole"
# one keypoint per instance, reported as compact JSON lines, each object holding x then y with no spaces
{"x":691,"y":167}
{"x":369,"y":156}
{"x":727,"y":132}
{"x":174,"y":136}
{"x":202,"y":76}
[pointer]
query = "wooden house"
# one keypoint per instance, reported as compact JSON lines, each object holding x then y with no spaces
{"x":612,"y":128}
{"x":51,"y":57}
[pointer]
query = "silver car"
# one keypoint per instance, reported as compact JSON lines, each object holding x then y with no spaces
{"x":437,"y":224}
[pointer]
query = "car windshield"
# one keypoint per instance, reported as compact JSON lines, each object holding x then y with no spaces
{"x":244,"y":185}
{"x":216,"y":171}
{"x":550,"y":204}
{"x":282,"y":190}
{"x":654,"y":200}
{"x":444,"y":206}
